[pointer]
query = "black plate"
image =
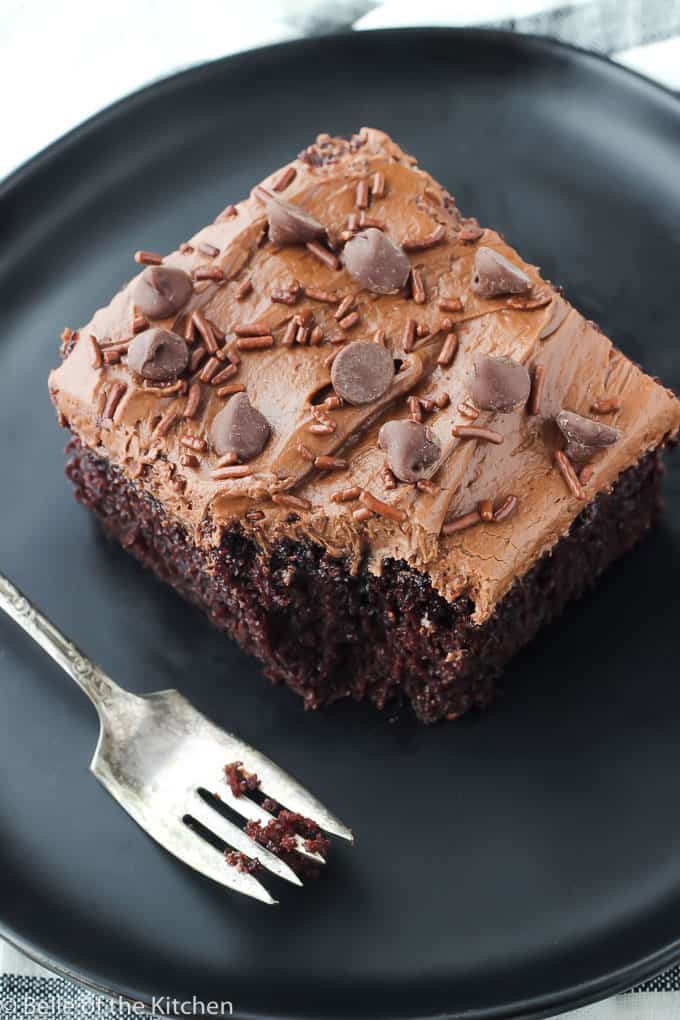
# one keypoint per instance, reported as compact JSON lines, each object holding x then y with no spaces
{"x":515,"y":863}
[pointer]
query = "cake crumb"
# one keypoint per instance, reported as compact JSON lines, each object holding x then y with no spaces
{"x":240,"y":861}
{"x":240,"y":781}
{"x":279,"y":836}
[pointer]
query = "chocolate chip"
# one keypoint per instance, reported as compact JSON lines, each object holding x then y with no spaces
{"x":240,"y":428}
{"x":362,"y":372}
{"x":161,"y":291}
{"x":583,"y":435}
{"x":500,"y":384}
{"x":376,"y":262}
{"x":495,"y":275}
{"x":288,"y":223}
{"x":158,"y":354}
{"x":411,"y":449}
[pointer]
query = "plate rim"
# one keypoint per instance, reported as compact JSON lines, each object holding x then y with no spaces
{"x":536,"y":1007}
{"x":120,"y":106}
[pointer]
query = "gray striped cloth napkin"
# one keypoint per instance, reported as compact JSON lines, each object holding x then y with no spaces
{"x":642,"y":34}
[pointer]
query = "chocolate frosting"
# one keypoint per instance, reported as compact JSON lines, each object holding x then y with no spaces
{"x":265,"y":321}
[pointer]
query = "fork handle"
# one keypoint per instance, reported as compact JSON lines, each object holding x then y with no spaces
{"x":100,"y":688}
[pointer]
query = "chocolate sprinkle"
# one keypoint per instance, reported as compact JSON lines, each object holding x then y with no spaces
{"x":378,"y":506}
{"x":376,"y":262}
{"x":237,"y":471}
{"x":429,"y":241}
{"x":230,"y":388}
{"x":349,"y":320}
{"x":418,"y":292}
{"x":323,"y":254}
{"x":291,"y":502}
{"x":506,"y":509}
{"x":211,"y":367}
{"x":448,"y":351}
{"x":193,"y":401}
{"x":158,"y":354}
{"x":485,"y":508}
{"x":344,"y":307}
{"x":96,"y":361}
{"x":378,"y":185}
{"x":461,"y":523}
{"x":255,"y":343}
{"x":228,"y":372}
{"x":113,"y":399}
{"x":288,"y":338}
{"x":409,"y":339}
{"x":240,"y":428}
{"x":537,"y":384}
{"x":411,"y":449}
{"x":346,"y":495}
{"x":495,"y":275}
{"x":477,"y":432}
{"x":148,"y":258}
{"x":161,"y":291}
{"x":606,"y":405}
{"x":363,"y":194}
{"x":326,"y":463}
{"x":362,"y":372}
{"x":208,"y":273}
{"x":500,"y":384}
{"x":569,"y":475}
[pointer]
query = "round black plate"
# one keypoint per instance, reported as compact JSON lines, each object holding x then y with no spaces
{"x":515,"y":863}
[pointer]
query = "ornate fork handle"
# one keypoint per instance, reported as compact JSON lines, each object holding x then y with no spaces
{"x":99,"y":688}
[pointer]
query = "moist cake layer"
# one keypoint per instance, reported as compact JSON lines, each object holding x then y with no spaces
{"x":349,"y":363}
{"x":329,"y":633}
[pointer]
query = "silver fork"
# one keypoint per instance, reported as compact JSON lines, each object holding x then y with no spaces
{"x":159,"y":757}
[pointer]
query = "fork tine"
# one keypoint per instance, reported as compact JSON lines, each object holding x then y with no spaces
{"x":281,"y":787}
{"x":199,"y":855}
{"x":236,"y":838}
{"x":167,"y":830}
{"x":204,"y":858}
{"x":253,"y":811}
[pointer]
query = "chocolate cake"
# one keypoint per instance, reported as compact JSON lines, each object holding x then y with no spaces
{"x":361,"y":433}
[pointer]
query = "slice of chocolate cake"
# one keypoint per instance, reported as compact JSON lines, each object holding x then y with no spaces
{"x":372,"y":443}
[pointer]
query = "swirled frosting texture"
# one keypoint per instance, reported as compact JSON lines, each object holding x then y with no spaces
{"x":317,"y":450}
